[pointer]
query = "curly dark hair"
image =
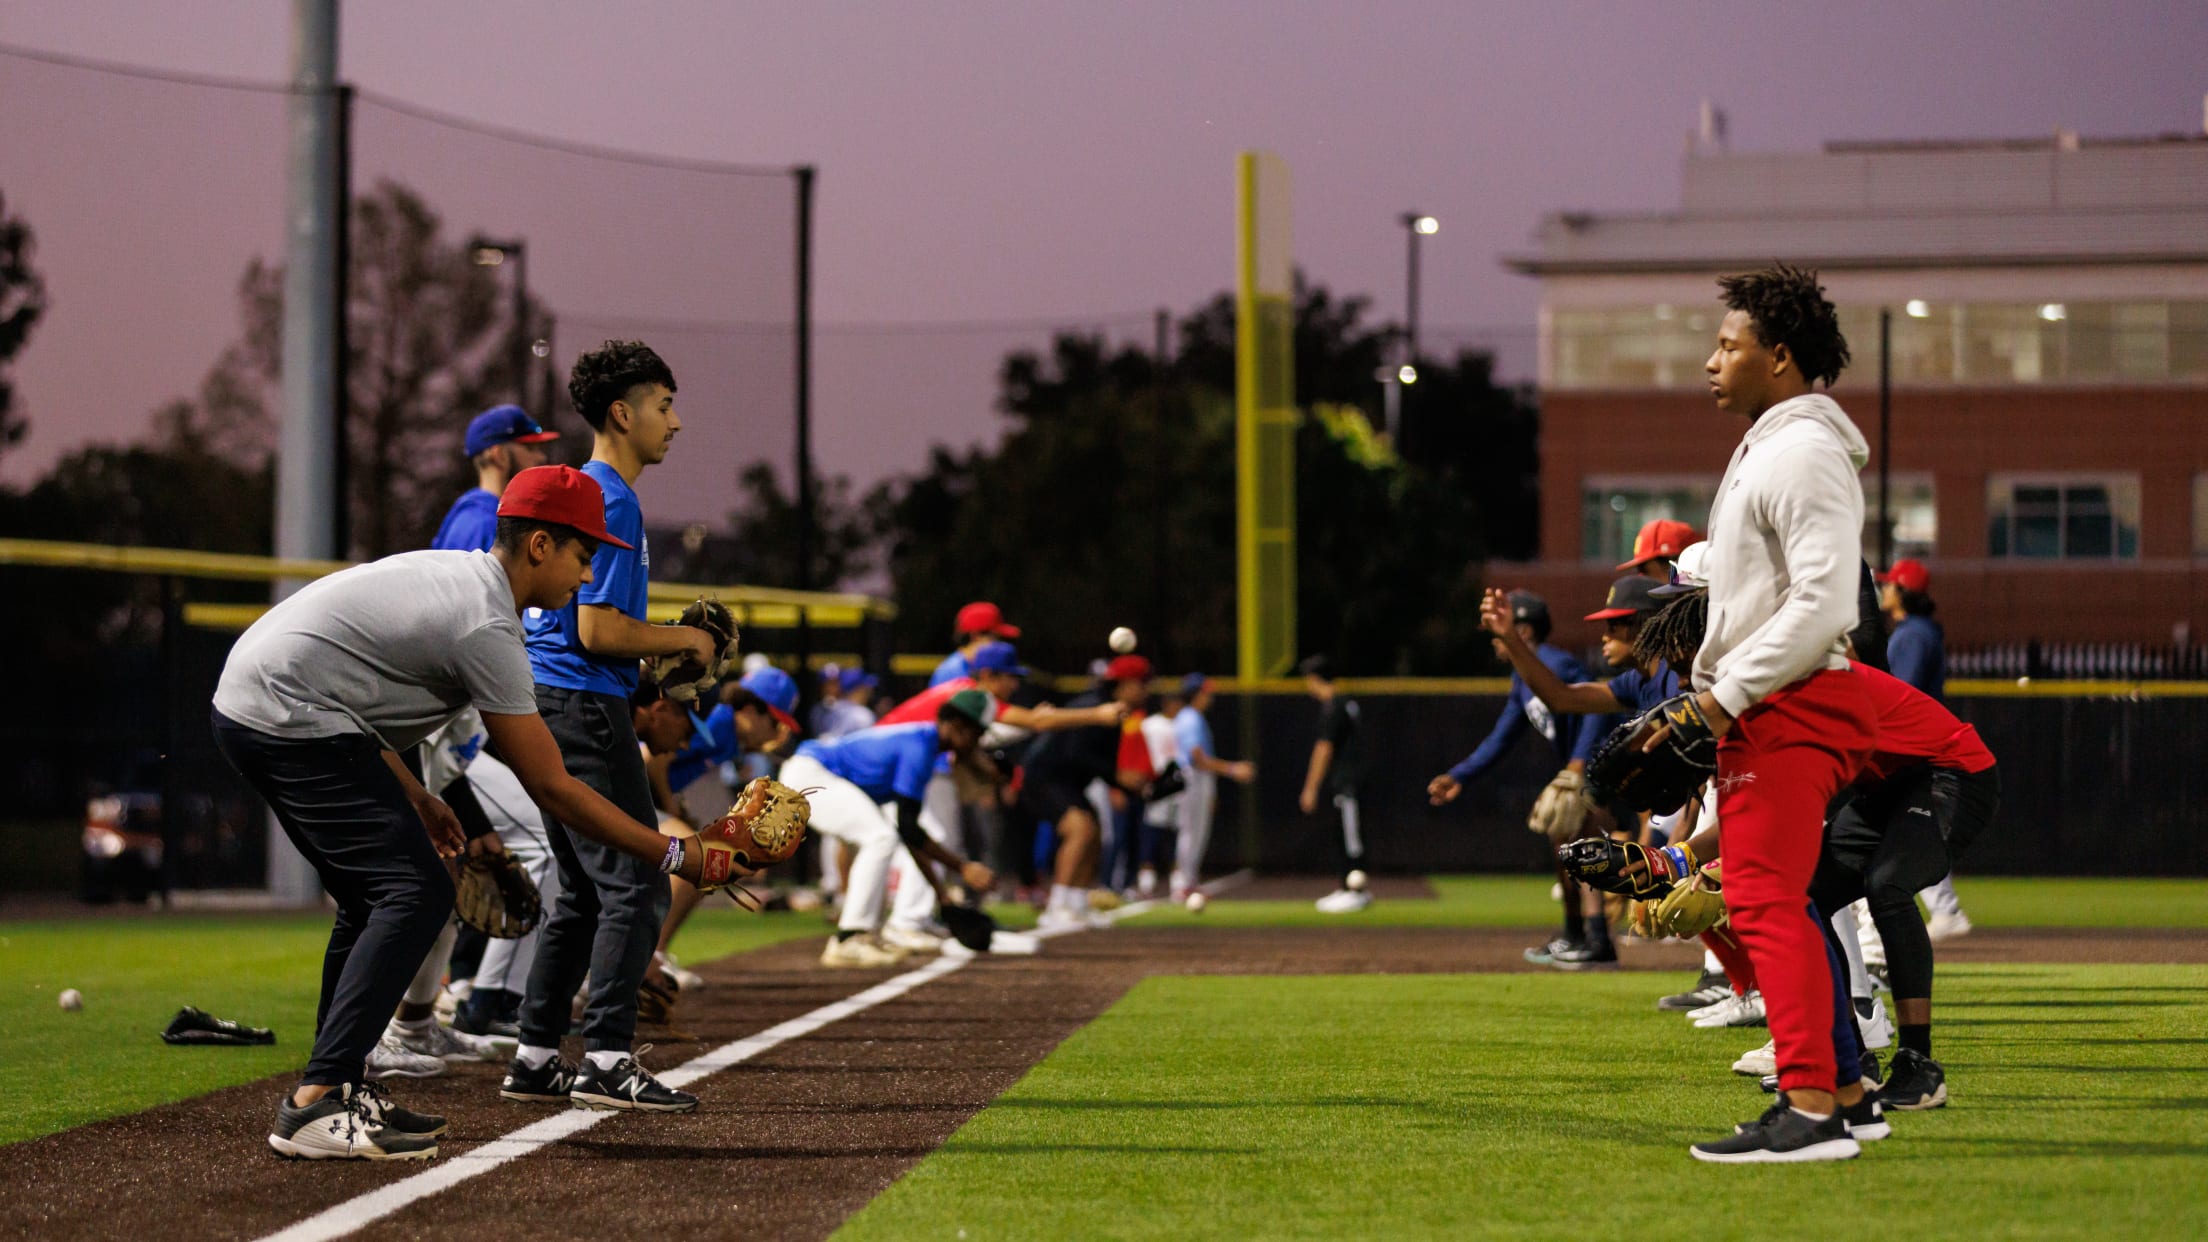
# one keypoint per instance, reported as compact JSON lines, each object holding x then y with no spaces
{"x":1790,"y":308}
{"x":606,"y":374}
{"x":1675,"y":634}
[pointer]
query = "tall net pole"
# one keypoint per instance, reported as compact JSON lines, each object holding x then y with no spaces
{"x":1265,"y":443}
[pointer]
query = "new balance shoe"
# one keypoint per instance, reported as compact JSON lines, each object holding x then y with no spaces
{"x":549,"y":1083}
{"x":1586,"y":957}
{"x":1948,"y":926}
{"x":339,"y":1127}
{"x":1759,"y":1062}
{"x":1708,"y":990}
{"x":1871,"y":1020}
{"x":430,"y":1038}
{"x":1914,"y":1081}
{"x":1782,"y":1136}
{"x":1542,"y":955}
{"x":911,"y":939}
{"x":1344,"y":901}
{"x":392,"y":1059}
{"x":859,"y":953}
{"x":1732,"y":1011}
{"x":386,"y":1112}
{"x":629,"y":1087}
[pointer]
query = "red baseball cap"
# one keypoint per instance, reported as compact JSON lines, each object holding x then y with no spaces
{"x":1909,"y":575}
{"x":984,"y":618}
{"x":1664,"y":538}
{"x":1127,"y":668}
{"x":560,"y":494}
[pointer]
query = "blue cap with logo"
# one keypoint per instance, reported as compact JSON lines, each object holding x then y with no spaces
{"x":776,"y":689}
{"x":996,"y":658}
{"x":504,"y":424}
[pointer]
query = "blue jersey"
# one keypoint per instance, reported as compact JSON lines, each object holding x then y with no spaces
{"x":618,"y":579}
{"x":1191,"y":733}
{"x":1574,"y":737}
{"x":1638,"y":692}
{"x":886,"y":761}
{"x":471,"y":525}
{"x":953,"y":667}
{"x":1917,"y":654}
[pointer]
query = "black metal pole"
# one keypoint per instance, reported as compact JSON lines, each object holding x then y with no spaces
{"x":805,"y":514}
{"x":172,"y":691}
{"x":1161,"y":602}
{"x":1411,"y":319}
{"x":1885,"y":438}
{"x":341,"y":508}
{"x":521,"y":327}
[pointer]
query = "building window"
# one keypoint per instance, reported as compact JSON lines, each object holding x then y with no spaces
{"x":1614,"y":508}
{"x":2063,"y":517}
{"x":1915,"y":516}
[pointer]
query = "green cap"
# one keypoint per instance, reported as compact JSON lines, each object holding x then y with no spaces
{"x":974,"y":705}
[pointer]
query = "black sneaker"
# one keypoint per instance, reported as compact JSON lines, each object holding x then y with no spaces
{"x":629,"y":1086}
{"x":338,"y":1127}
{"x":549,"y":1083}
{"x":1708,"y":990}
{"x":1866,"y":1119}
{"x":1542,"y":955}
{"x":1914,"y":1081}
{"x":385,"y":1111}
{"x":1782,"y":1136}
{"x":194,"y":1026}
{"x":484,"y":1013}
{"x":1586,"y":957}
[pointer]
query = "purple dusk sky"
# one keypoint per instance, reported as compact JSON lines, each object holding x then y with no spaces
{"x":1038,"y":161}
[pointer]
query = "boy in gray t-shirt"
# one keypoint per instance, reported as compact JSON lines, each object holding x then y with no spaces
{"x":315,"y":702}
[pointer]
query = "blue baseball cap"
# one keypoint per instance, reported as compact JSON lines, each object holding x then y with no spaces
{"x":776,"y":689}
{"x":996,"y":658}
{"x":853,"y":678}
{"x":504,"y":424}
{"x":1193,"y":685}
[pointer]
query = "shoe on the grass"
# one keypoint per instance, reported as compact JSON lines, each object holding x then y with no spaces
{"x":1344,"y":901}
{"x":1914,"y":1081}
{"x":1542,"y":955}
{"x":1782,"y":1136}
{"x":1586,"y":957}
{"x":1707,"y":990}
{"x":859,"y":953}
{"x":197,"y":1026}
{"x":911,"y":939}
{"x":386,"y":1112}
{"x":1733,"y":1011}
{"x":339,"y":1127}
{"x":1759,"y":1062}
{"x":685,"y":980}
{"x":1871,"y":1021}
{"x":549,"y":1083}
{"x":627,"y":1087}
{"x":392,"y":1059}
{"x":1947,"y":926}
{"x":431,"y":1038}
{"x":1866,"y":1117}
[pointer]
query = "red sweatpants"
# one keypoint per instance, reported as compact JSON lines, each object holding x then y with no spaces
{"x":1739,"y":971}
{"x":1777,"y":768}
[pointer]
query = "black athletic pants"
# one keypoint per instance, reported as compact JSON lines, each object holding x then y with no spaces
{"x":607,"y":920}
{"x":347,"y":813}
{"x":1886,"y":844}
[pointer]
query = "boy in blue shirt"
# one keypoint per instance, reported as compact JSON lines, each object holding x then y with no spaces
{"x":585,"y":660}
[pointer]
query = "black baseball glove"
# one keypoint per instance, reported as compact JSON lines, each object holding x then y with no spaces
{"x":1627,"y":770}
{"x":1601,"y":863}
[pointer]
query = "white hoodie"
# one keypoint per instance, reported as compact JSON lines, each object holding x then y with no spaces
{"x":1785,"y":553}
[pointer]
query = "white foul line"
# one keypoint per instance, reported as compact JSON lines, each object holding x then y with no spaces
{"x":352,"y":1214}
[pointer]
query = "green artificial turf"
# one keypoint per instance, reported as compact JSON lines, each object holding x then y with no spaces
{"x":1523,"y":901}
{"x":1547,"y":1106}
{"x":60,"y":1069}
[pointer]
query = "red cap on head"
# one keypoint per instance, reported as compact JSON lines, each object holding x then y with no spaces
{"x":1664,"y":538}
{"x":1127,"y":668}
{"x":560,"y":494}
{"x":1910,"y":575}
{"x":984,"y":618}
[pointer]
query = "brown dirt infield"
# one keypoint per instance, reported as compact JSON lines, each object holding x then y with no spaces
{"x":787,"y":1145}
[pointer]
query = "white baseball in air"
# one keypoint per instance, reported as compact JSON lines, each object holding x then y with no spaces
{"x":1197,"y":901}
{"x":1354,"y":881}
{"x":1122,"y":640}
{"x":71,"y":999}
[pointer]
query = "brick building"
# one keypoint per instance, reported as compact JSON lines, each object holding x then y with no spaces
{"x":2048,"y":311}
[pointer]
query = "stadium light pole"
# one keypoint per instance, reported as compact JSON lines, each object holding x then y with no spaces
{"x":491,"y":252}
{"x":1415,"y":225}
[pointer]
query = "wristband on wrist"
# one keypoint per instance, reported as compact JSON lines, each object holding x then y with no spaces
{"x":1680,"y":860}
{"x":672,"y":862}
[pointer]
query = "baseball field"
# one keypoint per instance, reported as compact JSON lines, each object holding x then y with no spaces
{"x":1258,"y":1070}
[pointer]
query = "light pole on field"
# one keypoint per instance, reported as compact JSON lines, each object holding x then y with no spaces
{"x":490,"y":252}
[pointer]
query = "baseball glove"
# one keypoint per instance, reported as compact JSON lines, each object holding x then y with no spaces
{"x":1600,"y":863}
{"x":681,"y":677}
{"x":1691,"y":908}
{"x":496,"y":897}
{"x":1659,"y":779}
{"x":968,"y":925}
{"x":655,"y":1001}
{"x":764,"y":827}
{"x":1560,"y":812}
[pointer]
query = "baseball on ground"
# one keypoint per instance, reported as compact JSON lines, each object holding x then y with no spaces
{"x":71,"y":999}
{"x":1354,"y":881}
{"x":1196,"y":902}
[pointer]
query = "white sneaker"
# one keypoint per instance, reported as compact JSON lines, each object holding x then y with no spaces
{"x":1870,"y":1019}
{"x":685,"y":980}
{"x":1146,"y":882}
{"x":1059,"y":922}
{"x":391,"y":1059}
{"x":1344,"y":901}
{"x":1011,"y":943}
{"x":1734,"y":1011}
{"x":1873,"y":944}
{"x":911,"y":939}
{"x":434,"y":1039}
{"x":1757,"y":1062}
{"x":957,"y":952}
{"x":859,"y":952}
{"x":1721,"y":1004}
{"x":340,"y":1126}
{"x":1948,"y":926}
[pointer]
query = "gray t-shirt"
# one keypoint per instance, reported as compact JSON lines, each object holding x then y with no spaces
{"x":390,"y":649}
